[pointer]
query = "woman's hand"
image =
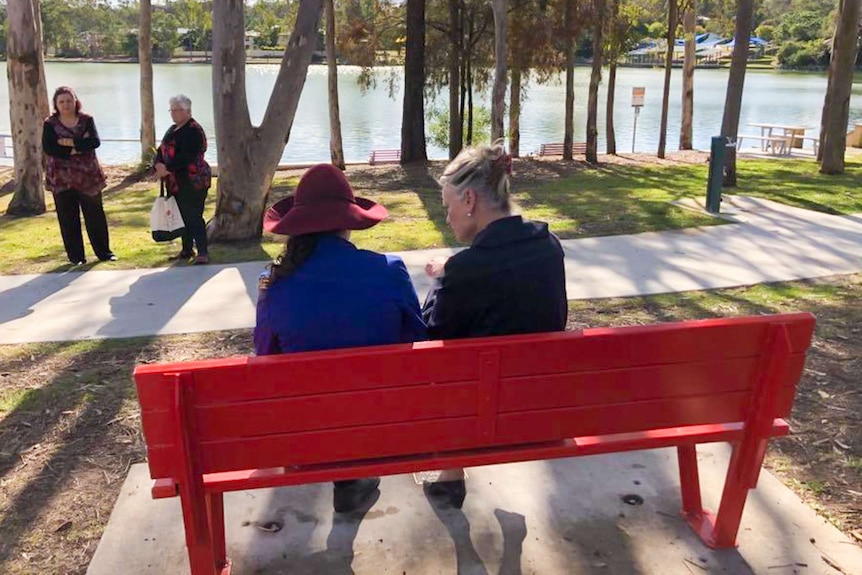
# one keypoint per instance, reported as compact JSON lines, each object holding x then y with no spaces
{"x":161,"y":170}
{"x":67,"y":142}
{"x":435,"y":267}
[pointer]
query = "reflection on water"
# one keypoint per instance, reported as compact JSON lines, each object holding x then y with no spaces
{"x":371,"y":119}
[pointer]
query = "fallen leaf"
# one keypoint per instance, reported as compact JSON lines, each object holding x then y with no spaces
{"x":64,"y":527}
{"x":823,"y":394}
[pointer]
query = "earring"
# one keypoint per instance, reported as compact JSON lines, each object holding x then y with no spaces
{"x":469,"y":214}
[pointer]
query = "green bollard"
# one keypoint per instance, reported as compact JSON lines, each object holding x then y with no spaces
{"x":716,"y":173}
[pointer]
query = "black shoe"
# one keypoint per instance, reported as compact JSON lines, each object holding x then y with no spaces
{"x":108,"y":258}
{"x":448,"y":492}
{"x":349,"y":496}
{"x":183,"y":256}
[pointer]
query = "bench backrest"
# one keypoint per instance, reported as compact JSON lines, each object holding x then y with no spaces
{"x":306,"y":408}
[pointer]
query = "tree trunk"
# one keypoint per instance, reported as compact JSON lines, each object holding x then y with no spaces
{"x":836,"y":109}
{"x":43,"y":102}
{"x":569,"y":127}
{"x":455,"y":115}
{"x":336,"y":149}
{"x":688,"y":24}
{"x":735,"y":83}
{"x":668,"y":63}
{"x":145,"y":62}
{"x":26,"y":76}
{"x":248,"y":156}
{"x":413,"y":115}
{"x":515,"y":113}
{"x":609,"y":112}
{"x":498,"y":100}
{"x":469,"y":86}
{"x":595,"y":77}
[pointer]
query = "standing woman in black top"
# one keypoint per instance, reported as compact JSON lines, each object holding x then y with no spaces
{"x":181,"y":165}
{"x":73,"y":174}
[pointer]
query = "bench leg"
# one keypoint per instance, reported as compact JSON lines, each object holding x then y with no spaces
{"x":689,"y":481}
{"x":215,"y":508}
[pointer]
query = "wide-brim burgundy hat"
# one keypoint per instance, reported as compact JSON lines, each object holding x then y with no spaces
{"x":323,"y":202}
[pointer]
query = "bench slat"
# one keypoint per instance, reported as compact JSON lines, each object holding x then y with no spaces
{"x":596,"y":445}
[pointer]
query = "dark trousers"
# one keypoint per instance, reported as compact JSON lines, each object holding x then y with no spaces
{"x":191,"y":204}
{"x":70,"y":205}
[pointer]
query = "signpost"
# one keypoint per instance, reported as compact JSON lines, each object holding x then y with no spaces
{"x":638,"y":93}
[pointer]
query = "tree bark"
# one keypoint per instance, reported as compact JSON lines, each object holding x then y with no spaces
{"x":668,"y":63}
{"x":569,"y":127}
{"x":735,"y":84}
{"x":248,"y":156}
{"x":515,"y":113}
{"x":455,"y":114}
{"x":336,"y":148}
{"x":413,"y":114}
{"x":592,"y":153}
{"x":26,"y":76}
{"x":145,"y":62}
{"x":609,"y":112}
{"x":688,"y":24}
{"x":498,"y":100}
{"x":836,"y":108}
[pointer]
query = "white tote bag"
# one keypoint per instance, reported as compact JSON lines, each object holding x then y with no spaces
{"x":166,"y":223}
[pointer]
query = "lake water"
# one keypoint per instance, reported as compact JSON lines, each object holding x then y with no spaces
{"x":372,"y":119}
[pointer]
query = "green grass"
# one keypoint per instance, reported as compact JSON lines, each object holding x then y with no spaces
{"x":611,"y":199}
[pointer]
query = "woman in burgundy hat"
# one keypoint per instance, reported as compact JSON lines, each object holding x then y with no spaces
{"x":324,"y":293}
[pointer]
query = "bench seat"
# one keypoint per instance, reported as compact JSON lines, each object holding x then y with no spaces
{"x":778,"y":145}
{"x":252,"y":422}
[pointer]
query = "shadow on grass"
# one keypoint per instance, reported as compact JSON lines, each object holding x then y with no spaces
{"x":72,"y":410}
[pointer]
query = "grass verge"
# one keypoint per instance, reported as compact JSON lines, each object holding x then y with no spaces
{"x":622,"y":195}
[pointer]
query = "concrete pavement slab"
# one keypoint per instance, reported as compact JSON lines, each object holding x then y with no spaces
{"x":555,"y":517}
{"x":771,"y":242}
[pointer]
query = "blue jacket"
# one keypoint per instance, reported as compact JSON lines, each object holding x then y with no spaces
{"x":340,"y":297}
{"x":510,"y":281}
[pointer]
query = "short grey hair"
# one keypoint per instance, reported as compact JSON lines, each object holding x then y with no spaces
{"x":182,"y":101}
{"x":483,"y":169}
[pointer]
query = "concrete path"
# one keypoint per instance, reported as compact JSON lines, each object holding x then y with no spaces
{"x":770,"y":242}
{"x":563,"y":517}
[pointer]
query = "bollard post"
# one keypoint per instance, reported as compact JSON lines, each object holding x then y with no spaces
{"x":716,"y":172}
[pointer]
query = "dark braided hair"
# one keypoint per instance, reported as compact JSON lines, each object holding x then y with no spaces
{"x":296,"y":251}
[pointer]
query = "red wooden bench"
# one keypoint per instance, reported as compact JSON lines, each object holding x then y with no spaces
{"x":252,"y":422}
{"x":384,"y":157}
{"x":557,"y":149}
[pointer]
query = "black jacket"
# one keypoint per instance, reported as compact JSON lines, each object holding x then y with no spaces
{"x":510,"y":281}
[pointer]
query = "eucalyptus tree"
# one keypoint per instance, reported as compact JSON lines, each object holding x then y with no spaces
{"x":500,"y":62}
{"x":688,"y":25}
{"x":735,"y":84}
{"x":248,"y":155}
{"x":336,"y":149}
{"x":672,"y":23}
{"x":622,"y":35}
{"x":28,"y":104}
{"x":413,"y":113}
{"x":836,"y":108}
{"x":532,"y":53}
{"x":599,"y":18}
{"x":145,"y":63}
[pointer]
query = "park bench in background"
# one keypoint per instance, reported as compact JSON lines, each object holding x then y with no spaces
{"x":251,"y":422}
{"x":557,"y":149}
{"x":778,"y":145}
{"x":384,"y":157}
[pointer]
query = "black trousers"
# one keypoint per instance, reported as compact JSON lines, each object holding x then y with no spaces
{"x":70,"y":205}
{"x":191,"y":204}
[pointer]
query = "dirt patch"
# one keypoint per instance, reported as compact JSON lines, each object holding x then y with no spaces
{"x":69,"y":418}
